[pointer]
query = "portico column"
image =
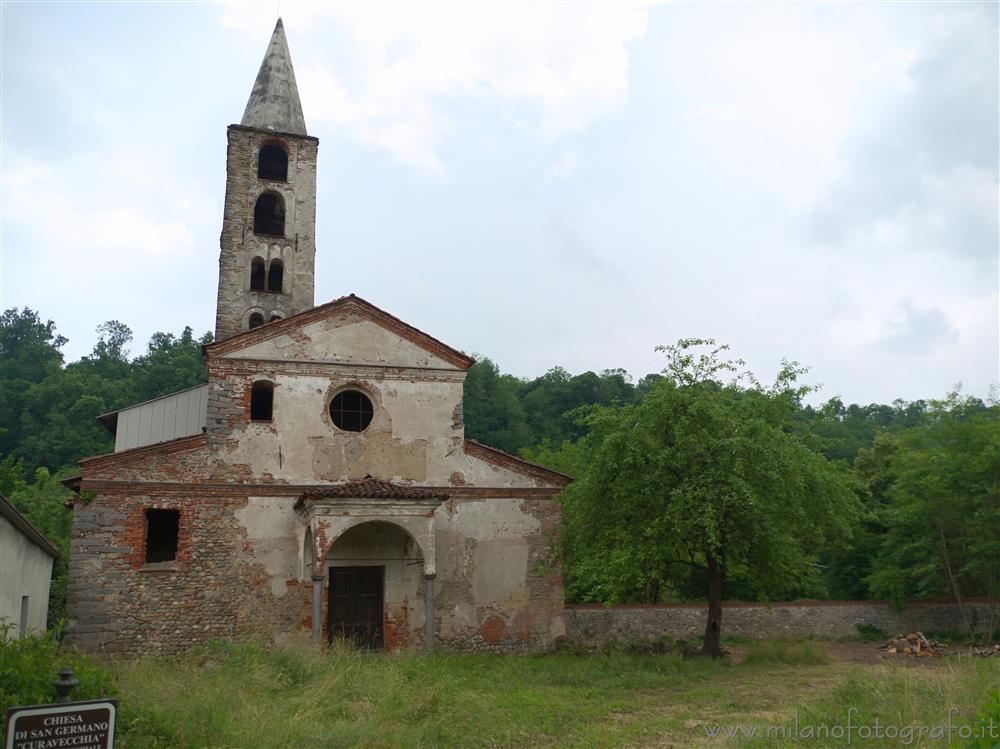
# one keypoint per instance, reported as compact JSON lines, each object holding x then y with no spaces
{"x":317,"y":607}
{"x":429,"y":612}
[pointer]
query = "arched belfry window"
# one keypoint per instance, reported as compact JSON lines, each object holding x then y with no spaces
{"x":262,"y":401}
{"x":272,"y":163}
{"x":275,"y":276}
{"x":257,"y":274}
{"x":256,"y":320}
{"x":269,"y":215}
{"x":274,"y":317}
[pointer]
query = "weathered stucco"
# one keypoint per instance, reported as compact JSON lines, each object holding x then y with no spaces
{"x":244,"y":565}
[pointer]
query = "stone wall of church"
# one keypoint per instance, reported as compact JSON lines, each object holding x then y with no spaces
{"x":241,"y":571}
{"x":215,"y":588}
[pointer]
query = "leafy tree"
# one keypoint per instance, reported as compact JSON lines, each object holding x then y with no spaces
{"x":170,"y":364}
{"x":493,"y":414}
{"x":703,"y":472}
{"x":943,"y":516}
{"x":29,"y":353}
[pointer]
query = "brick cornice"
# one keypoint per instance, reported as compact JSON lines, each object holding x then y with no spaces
{"x":506,"y":460}
{"x":351,"y":303}
{"x":181,"y":444}
{"x":293,"y":491}
{"x":325,"y":369}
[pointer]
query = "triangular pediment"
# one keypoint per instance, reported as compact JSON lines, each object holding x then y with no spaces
{"x":347,"y":331}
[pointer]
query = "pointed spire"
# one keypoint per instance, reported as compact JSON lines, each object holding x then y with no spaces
{"x":274,"y":102}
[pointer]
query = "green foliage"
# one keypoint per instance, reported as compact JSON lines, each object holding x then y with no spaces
{"x":987,"y":727}
{"x":871,"y":633}
{"x":512,"y":414}
{"x":704,"y":473}
{"x":942,"y":515}
{"x":48,"y":411}
{"x":493,"y":414}
{"x":29,"y":665}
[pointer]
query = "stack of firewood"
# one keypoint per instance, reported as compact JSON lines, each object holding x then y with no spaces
{"x":985,"y":651}
{"x":913,"y":644}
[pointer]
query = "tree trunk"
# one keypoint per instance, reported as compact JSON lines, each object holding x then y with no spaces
{"x":713,"y":626}
{"x":953,"y":581}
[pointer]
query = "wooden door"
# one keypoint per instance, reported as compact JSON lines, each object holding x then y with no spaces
{"x":356,"y":605}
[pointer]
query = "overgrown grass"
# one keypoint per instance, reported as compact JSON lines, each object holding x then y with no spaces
{"x":788,"y":652}
{"x":905,"y":698}
{"x":246,"y":696}
{"x":227,"y":696}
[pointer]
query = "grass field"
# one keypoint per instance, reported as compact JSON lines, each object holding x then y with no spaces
{"x":240,"y":696}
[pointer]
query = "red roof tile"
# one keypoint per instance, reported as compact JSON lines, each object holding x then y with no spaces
{"x":369,"y":488}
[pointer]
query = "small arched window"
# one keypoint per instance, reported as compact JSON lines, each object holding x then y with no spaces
{"x":272,"y":163}
{"x":275,"y":276}
{"x":269,"y":215}
{"x":257,"y":274}
{"x":256,"y":320}
{"x":261,"y":401}
{"x":274,"y":318}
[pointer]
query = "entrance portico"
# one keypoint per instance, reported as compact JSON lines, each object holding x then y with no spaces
{"x":363,"y":531}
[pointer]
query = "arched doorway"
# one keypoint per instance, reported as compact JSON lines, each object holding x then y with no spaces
{"x":375,"y":587}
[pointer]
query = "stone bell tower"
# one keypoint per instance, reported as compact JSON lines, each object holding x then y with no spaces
{"x":267,"y":262}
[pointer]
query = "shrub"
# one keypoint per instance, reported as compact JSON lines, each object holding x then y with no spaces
{"x":29,"y":665}
{"x":871,"y":633}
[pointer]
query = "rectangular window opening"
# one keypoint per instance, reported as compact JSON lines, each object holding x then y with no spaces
{"x":24,"y":616}
{"x":161,"y":535}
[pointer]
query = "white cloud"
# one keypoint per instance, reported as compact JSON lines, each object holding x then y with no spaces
{"x":566,"y":62}
{"x":61,"y":206}
{"x":563,"y":167}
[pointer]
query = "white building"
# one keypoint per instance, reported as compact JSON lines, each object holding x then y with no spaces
{"x":26,"y":558}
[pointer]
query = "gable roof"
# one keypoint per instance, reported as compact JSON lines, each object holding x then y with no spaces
{"x":29,"y":531}
{"x":498,"y":457}
{"x":349,"y":303}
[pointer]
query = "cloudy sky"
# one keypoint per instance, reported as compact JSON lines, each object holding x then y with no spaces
{"x":546,"y":184}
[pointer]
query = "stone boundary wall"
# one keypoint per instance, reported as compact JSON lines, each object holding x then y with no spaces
{"x":592,"y":624}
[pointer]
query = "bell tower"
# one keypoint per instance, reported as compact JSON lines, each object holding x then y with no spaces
{"x":268,"y":249}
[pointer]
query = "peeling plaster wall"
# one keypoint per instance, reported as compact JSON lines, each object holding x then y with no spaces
{"x":414,"y":436}
{"x":272,"y":539}
{"x":344,"y":338}
{"x":240,"y":567}
{"x":498,"y":587}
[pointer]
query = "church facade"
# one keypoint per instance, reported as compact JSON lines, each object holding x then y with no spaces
{"x":320,"y":485}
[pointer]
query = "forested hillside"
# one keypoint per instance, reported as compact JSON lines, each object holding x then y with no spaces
{"x":925,"y":473}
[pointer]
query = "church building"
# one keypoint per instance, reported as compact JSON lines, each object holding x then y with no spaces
{"x":320,"y":484}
